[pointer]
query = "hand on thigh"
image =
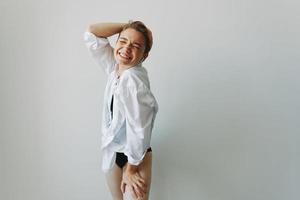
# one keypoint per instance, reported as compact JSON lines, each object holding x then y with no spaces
{"x":145,"y":170}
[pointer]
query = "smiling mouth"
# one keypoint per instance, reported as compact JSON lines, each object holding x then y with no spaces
{"x":124,"y":55}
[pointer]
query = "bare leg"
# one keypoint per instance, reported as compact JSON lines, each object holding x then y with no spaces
{"x":145,"y":170}
{"x":113,"y":180}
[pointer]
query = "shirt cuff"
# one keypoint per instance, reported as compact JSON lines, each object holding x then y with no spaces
{"x":94,"y":42}
{"x":135,"y":161}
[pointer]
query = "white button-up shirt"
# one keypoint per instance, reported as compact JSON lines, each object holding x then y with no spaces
{"x":129,"y":128}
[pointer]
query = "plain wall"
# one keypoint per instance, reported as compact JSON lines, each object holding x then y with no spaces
{"x":225,"y":74}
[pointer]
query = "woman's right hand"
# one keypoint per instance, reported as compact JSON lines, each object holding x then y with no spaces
{"x":135,"y":183}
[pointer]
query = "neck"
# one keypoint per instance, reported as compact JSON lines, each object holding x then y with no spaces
{"x":121,"y":68}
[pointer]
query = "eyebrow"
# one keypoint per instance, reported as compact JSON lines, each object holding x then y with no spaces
{"x":123,"y":38}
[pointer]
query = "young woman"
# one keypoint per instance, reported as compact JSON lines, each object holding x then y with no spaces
{"x":129,"y":107}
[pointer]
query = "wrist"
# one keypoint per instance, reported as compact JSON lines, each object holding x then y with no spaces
{"x":121,"y":26}
{"x":131,"y":168}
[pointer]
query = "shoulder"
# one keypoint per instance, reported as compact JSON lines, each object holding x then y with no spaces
{"x":136,"y":77}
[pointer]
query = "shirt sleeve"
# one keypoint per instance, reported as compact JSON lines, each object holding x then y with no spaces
{"x":140,"y":114}
{"x":101,"y":51}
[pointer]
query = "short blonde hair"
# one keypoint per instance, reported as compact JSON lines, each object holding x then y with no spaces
{"x":140,"y":27}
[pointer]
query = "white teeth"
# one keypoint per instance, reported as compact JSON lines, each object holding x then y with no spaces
{"x":123,"y":55}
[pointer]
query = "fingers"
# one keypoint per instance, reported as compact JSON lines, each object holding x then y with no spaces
{"x":137,"y":192}
{"x":140,"y":193}
{"x":136,"y":184}
{"x":140,"y":183}
{"x":123,"y":186}
{"x":134,"y":193}
{"x":138,"y":189}
{"x":142,"y":186}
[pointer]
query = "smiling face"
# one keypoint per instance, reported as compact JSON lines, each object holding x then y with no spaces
{"x":130,"y":48}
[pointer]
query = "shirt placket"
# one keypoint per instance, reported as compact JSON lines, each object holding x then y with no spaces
{"x":114,"y":87}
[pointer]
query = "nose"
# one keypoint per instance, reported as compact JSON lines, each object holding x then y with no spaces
{"x":127,"y":47}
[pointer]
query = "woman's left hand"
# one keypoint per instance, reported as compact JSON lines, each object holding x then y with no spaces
{"x":135,"y":183}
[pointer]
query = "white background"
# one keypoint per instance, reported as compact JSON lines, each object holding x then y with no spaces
{"x":225,"y":75}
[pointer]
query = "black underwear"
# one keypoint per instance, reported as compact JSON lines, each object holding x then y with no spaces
{"x":121,"y":158}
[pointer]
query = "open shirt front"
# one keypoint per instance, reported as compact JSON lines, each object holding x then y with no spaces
{"x":134,"y":106}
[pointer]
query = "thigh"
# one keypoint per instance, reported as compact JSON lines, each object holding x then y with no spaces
{"x":113,"y":180}
{"x":145,"y":170}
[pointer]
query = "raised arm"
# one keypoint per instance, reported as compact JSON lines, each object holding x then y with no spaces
{"x":95,"y":38}
{"x":105,"y":29}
